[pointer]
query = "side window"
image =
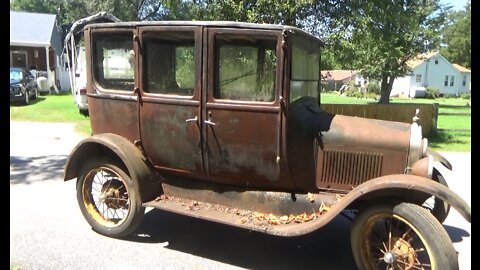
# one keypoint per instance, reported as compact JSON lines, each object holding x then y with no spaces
{"x":246,"y":70}
{"x":169,"y":63}
{"x":113,"y":61}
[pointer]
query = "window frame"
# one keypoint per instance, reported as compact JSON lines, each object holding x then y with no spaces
{"x":197,"y":46}
{"x":418,"y":78}
{"x":113,"y":31}
{"x":175,"y":46}
{"x":251,"y":34}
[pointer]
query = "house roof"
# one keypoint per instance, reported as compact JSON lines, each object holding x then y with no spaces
{"x":31,"y":29}
{"x":412,"y":63}
{"x":337,"y":75}
{"x":461,"y":69}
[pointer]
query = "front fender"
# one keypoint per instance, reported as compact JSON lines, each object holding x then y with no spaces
{"x":401,"y":184}
{"x":122,"y":150}
{"x":437,"y":157}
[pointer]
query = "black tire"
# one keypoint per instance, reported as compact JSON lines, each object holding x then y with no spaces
{"x":83,"y":112}
{"x":27,"y":97}
{"x":108,"y":199}
{"x":435,"y":205}
{"x":416,"y":237}
{"x":35,"y":96}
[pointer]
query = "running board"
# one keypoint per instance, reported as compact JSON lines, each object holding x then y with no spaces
{"x":281,"y":225}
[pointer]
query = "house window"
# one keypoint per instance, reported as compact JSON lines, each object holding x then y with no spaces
{"x":464,"y":82}
{"x":19,"y":59}
{"x":451,"y":80}
{"x":446,"y":81}
{"x":436,"y":62}
{"x":418,"y":78}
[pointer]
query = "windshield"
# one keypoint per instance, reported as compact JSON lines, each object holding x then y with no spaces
{"x":15,"y":74}
{"x":305,"y":75}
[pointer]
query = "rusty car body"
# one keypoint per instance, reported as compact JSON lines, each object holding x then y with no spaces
{"x":222,"y":121}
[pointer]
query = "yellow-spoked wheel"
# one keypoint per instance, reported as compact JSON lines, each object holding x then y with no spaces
{"x":403,"y":236}
{"x":108,"y":199}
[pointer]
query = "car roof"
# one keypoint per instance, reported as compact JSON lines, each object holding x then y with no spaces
{"x":16,"y":68}
{"x":218,"y":24}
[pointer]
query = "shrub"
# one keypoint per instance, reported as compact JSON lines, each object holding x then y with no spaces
{"x":432,"y":93}
{"x":465,"y":95}
{"x":372,"y":95}
{"x":373,"y":87}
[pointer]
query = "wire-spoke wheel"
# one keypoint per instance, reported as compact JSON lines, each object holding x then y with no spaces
{"x":404,"y":236}
{"x":107,"y":198}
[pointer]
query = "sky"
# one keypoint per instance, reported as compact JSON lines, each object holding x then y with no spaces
{"x":456,"y":4}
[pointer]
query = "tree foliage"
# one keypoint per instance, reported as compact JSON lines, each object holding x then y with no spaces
{"x":378,"y":37}
{"x":38,"y":6}
{"x":457,"y":37}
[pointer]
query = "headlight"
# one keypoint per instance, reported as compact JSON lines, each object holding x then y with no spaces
{"x":423,"y":167}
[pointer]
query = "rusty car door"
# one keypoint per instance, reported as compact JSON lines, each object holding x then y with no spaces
{"x":170,"y":97}
{"x":242,"y":114}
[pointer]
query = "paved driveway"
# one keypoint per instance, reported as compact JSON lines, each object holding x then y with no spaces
{"x":47,"y":230}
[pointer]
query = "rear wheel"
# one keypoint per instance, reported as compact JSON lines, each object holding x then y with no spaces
{"x":108,"y":199}
{"x":403,"y":236}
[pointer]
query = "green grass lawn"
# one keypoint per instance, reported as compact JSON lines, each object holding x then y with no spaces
{"x":52,"y":108}
{"x":454,"y":122}
{"x":445,"y":140}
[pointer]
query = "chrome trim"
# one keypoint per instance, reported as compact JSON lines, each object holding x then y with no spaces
{"x":415,"y":151}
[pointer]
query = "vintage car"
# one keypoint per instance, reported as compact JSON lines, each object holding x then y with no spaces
{"x":222,"y":121}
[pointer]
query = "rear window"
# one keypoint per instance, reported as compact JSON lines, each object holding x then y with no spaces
{"x":113,"y":57}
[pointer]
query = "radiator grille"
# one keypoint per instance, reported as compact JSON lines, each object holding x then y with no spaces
{"x":349,"y":167}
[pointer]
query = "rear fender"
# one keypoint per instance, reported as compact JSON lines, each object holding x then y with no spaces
{"x":402,"y":185}
{"x":110,"y":145}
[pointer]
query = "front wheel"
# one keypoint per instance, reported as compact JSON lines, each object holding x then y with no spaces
{"x":27,"y":98}
{"x":108,"y":199}
{"x":403,"y":236}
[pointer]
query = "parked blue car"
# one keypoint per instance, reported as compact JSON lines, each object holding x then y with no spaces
{"x":23,"y":86}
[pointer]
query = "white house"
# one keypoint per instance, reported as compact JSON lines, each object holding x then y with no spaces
{"x":433,"y":70}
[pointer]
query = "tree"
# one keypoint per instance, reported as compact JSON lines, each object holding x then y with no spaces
{"x":378,"y":37}
{"x":38,"y":6}
{"x":457,"y":37}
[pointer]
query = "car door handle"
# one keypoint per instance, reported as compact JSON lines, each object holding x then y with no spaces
{"x":208,"y":122}
{"x":192,"y":120}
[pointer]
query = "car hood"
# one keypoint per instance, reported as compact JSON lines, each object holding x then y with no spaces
{"x":12,"y":82}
